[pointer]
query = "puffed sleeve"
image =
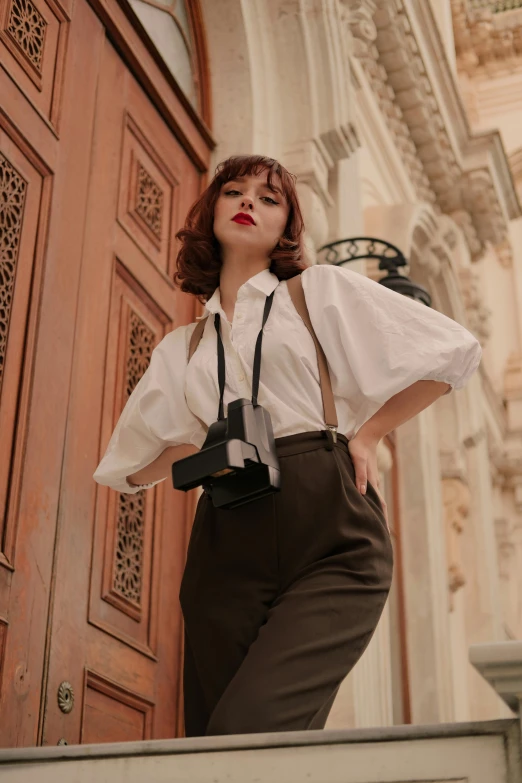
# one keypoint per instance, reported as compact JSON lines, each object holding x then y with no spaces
{"x":155,"y":416}
{"x":378,"y":342}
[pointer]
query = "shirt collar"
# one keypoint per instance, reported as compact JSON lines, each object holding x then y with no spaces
{"x":265,"y":281}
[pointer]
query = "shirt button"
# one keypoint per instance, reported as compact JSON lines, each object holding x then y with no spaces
{"x":241,"y":377}
{"x":240,"y":316}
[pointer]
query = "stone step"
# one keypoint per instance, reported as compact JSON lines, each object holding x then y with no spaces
{"x":477,"y":752}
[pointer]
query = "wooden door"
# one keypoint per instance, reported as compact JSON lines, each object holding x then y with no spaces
{"x":100,"y":167}
{"x":116,"y":630}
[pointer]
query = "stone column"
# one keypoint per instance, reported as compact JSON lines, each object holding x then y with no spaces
{"x":425,"y":571}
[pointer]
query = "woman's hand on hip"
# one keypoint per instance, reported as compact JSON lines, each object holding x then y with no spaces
{"x":363,"y":452}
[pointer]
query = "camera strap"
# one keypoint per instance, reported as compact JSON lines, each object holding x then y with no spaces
{"x":257,"y":357}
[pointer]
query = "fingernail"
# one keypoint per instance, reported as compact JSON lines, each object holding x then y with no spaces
{"x":363,"y":488}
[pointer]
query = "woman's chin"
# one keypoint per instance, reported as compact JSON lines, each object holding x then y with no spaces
{"x":243,"y":241}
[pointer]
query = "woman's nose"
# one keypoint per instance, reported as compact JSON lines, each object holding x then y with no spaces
{"x":247,"y":201}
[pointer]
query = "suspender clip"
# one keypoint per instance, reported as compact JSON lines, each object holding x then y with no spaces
{"x":330,"y":434}
{"x":333,"y":430}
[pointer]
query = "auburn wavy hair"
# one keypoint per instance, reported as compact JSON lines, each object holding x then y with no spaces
{"x":199,"y":261}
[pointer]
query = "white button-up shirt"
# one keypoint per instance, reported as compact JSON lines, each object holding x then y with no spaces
{"x":377,"y":343}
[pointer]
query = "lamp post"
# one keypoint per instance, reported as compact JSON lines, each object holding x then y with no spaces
{"x":390,"y":258}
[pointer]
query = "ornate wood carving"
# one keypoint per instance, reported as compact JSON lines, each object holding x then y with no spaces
{"x":13,"y":190}
{"x":33,"y":51}
{"x":149,"y":195}
{"x":128,"y":563}
{"x":27,"y":28}
{"x":149,"y":200}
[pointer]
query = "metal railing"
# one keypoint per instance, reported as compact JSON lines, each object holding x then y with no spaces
{"x":343,"y":251}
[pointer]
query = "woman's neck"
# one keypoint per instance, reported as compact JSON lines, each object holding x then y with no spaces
{"x":232,"y":277}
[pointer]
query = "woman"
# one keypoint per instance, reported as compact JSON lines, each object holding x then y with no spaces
{"x":281,"y":596}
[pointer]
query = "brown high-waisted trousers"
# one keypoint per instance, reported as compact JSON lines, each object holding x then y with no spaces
{"x":281,"y":596}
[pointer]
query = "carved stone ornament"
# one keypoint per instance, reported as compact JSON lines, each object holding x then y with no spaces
{"x":504,"y":253}
{"x":507,"y":460}
{"x":456,"y":500}
{"x":359,"y":16}
{"x":395,"y":69}
{"x":465,"y":223}
{"x":360,"y":20}
{"x":452,"y":464}
{"x":505,"y":547}
{"x":478,"y":315}
{"x":486,"y":39}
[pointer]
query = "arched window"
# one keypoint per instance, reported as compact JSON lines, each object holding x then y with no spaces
{"x":175,"y":28}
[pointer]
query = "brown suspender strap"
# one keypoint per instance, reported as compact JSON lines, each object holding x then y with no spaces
{"x":295,"y":289}
{"x":195,"y":337}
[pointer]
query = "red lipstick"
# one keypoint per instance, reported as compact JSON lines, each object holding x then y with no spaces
{"x":242,"y":217}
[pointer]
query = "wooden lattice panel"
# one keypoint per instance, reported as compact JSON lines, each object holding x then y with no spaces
{"x":148,"y":195}
{"x":33,"y":46}
{"x":149,"y":201}
{"x":12,"y":198}
{"x":27,"y":28}
{"x":128,"y":555}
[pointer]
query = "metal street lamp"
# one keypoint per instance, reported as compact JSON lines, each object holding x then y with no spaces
{"x":344,"y":251}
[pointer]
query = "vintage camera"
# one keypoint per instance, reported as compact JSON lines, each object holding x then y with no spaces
{"x":238,"y":460}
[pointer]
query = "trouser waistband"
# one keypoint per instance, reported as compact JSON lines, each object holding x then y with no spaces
{"x":309,"y":441}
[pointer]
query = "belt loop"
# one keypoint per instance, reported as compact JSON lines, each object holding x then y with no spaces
{"x":329,"y":437}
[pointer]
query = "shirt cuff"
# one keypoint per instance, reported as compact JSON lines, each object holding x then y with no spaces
{"x":136,"y":487}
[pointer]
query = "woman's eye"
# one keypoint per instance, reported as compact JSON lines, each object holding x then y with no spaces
{"x":230,"y":192}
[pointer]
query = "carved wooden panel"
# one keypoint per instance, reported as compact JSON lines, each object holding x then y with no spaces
{"x":112,"y":713}
{"x":13,"y":189}
{"x":123,"y":599}
{"x":130,"y":536}
{"x":148,"y":196}
{"x":27,"y":28}
{"x":33,"y":41}
{"x":22,"y":211}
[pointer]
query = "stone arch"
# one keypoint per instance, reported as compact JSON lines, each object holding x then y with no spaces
{"x":280,"y":70}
